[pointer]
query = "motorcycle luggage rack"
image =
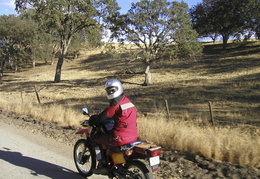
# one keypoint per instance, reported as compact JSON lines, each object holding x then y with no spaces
{"x":142,"y":148}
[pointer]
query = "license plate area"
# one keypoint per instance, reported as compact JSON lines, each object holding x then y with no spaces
{"x":154,"y":160}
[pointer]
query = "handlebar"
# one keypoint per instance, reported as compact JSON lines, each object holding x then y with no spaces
{"x":85,"y":123}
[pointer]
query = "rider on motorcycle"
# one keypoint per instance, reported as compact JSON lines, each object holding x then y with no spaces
{"x":122,"y":111}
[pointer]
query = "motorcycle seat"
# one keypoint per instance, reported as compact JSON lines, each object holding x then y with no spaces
{"x":124,"y":147}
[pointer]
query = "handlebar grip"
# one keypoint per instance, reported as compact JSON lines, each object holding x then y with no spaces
{"x":85,"y":123}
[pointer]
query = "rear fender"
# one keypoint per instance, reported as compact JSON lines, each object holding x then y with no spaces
{"x":148,"y":149}
{"x":82,"y":131}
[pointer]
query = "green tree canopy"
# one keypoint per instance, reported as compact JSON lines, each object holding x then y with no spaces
{"x":226,"y":18}
{"x":67,"y":18}
{"x":16,"y":37}
{"x":161,"y":29}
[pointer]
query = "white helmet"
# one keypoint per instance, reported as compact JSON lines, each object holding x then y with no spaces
{"x":113,"y":88}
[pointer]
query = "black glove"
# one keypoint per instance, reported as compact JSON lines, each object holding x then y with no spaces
{"x":93,"y":120}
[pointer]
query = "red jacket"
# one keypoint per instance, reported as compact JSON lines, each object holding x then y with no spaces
{"x":124,"y":114}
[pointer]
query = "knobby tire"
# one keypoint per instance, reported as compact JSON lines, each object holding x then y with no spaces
{"x":138,"y":169}
{"x":88,"y":161}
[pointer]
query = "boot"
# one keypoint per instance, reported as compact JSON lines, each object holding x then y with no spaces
{"x":101,"y":169}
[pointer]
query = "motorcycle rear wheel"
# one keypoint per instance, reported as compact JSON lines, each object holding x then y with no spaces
{"x":84,"y":157}
{"x":138,"y":169}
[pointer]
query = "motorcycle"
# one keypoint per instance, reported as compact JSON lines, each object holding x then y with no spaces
{"x":131,"y":161}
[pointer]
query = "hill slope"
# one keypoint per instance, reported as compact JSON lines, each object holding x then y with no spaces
{"x":229,"y":79}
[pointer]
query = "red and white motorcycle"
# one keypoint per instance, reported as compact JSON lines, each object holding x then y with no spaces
{"x":137,"y":160}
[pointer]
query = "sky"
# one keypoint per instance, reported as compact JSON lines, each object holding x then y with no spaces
{"x":7,"y":6}
{"x":126,"y":4}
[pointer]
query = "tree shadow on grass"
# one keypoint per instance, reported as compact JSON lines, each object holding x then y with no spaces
{"x":237,"y":94}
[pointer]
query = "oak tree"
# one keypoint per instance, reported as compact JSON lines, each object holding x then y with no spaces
{"x":66,"y":18}
{"x":226,"y":18}
{"x":16,"y":36}
{"x":161,"y":29}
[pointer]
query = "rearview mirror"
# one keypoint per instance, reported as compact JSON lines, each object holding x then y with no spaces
{"x":85,"y":111}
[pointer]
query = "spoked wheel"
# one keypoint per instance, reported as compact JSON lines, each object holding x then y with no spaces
{"x":84,"y":158}
{"x":138,"y":170}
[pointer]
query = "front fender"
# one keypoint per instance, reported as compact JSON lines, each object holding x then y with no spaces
{"x":82,"y":131}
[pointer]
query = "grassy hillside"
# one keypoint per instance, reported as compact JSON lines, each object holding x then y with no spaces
{"x":230,"y":79}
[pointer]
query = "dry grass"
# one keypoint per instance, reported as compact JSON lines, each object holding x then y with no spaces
{"x":57,"y":113}
{"x":229,"y":79}
{"x":222,"y":144}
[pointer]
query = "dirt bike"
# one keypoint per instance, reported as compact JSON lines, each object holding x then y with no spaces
{"x":134,"y":160}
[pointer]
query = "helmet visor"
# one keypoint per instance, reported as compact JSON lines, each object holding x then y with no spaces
{"x":111,"y":90}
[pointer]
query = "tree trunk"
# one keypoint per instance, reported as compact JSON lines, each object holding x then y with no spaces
{"x":64,"y":49}
{"x":15,"y":68}
{"x":33,"y":64}
{"x":214,"y":37}
{"x":1,"y":75}
{"x":75,"y":55}
{"x":225,"y":40}
{"x":64,"y":44}
{"x":2,"y":69}
{"x":52,"y":59}
{"x":148,"y":78}
{"x":58,"y":69}
{"x":257,"y":35}
{"x":54,"y":52}
{"x":15,"y":65}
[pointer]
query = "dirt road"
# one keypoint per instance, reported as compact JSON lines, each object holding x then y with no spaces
{"x":28,"y":155}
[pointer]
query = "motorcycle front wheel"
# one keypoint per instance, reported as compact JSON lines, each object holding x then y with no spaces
{"x":138,"y":169}
{"x":84,"y":157}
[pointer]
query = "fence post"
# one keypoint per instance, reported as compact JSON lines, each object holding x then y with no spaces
{"x":37,"y":95}
{"x":211,"y":114}
{"x":167,"y":108}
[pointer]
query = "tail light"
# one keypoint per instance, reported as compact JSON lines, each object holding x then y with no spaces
{"x":154,"y":153}
{"x":129,"y":152}
{"x":156,"y":169}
